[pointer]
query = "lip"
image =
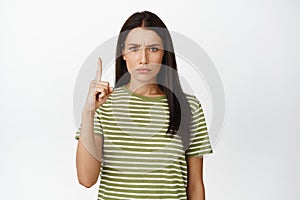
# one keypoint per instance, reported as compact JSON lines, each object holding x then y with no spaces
{"x":143,"y":70}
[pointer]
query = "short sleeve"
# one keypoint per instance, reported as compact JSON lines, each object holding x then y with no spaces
{"x":97,"y":126}
{"x":199,"y":141}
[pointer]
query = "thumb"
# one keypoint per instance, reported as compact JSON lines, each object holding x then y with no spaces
{"x":111,"y":89}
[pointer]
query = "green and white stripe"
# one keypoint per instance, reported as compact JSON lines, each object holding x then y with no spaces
{"x":139,"y":160}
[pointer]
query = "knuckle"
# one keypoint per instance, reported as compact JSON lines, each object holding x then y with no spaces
{"x":105,"y":83}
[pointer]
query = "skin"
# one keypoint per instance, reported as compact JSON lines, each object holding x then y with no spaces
{"x":140,"y":52}
{"x":143,"y":49}
{"x":89,"y":148}
{"x":195,"y":187}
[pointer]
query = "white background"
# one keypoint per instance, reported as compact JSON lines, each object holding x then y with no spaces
{"x":254,"y":45}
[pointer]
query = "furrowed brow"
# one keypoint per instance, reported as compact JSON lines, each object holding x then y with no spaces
{"x":133,"y":44}
{"x":151,"y":45}
{"x":154,"y":45}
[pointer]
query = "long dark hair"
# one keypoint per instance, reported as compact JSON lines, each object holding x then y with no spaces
{"x":167,"y":78}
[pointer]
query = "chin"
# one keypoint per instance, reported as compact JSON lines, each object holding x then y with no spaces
{"x":145,"y":79}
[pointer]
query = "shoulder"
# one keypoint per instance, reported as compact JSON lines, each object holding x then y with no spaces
{"x":118,"y":93}
{"x":117,"y":96}
{"x":193,"y":101}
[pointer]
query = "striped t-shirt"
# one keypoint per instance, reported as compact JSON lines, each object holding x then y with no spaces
{"x":139,"y":160}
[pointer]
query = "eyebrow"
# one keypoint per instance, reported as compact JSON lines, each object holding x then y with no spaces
{"x":151,"y":45}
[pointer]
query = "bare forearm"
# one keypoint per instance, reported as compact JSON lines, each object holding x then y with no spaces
{"x":88,"y":154}
{"x":196,"y":192}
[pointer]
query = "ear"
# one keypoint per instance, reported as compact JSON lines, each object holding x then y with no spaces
{"x":123,"y":55}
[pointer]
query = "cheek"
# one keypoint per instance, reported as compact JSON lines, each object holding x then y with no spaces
{"x":131,"y":61}
{"x":129,"y":64}
{"x":157,"y":58}
{"x":155,"y":68}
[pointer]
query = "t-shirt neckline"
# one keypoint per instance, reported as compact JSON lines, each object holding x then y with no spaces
{"x":143,"y":97}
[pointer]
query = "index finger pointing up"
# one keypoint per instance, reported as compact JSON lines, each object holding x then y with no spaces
{"x":99,"y":70}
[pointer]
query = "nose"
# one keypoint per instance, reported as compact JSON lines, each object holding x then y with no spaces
{"x":144,"y":57}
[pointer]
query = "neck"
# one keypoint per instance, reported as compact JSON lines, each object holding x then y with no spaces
{"x":145,"y":89}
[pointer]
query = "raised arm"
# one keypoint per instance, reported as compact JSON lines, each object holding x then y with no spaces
{"x":88,"y":155}
{"x":89,"y":148}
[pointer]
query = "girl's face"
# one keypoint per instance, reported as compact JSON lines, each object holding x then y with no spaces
{"x":143,"y":53}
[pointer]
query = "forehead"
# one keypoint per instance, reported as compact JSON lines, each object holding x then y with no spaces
{"x":142,"y":36}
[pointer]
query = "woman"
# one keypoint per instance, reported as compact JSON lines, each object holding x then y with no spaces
{"x":146,"y":136}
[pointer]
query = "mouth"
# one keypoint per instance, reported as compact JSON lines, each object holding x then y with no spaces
{"x":143,"y":70}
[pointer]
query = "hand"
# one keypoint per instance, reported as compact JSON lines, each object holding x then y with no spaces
{"x":99,"y":91}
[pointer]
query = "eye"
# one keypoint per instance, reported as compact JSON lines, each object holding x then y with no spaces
{"x":154,"y":49}
{"x":133,"y":48}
